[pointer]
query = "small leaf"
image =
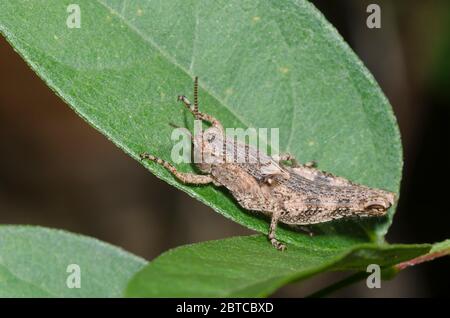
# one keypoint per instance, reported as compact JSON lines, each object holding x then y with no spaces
{"x":250,"y":267}
{"x":262,"y":64}
{"x":34,"y":263}
{"x":441,"y":247}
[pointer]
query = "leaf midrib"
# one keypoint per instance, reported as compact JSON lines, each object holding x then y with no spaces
{"x":19,"y":278}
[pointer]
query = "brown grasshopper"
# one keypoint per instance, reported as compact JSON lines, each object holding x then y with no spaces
{"x":291,"y":193}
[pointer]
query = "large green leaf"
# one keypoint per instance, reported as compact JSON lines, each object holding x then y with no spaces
{"x":262,"y":63}
{"x":34,"y":262}
{"x":249,"y":267}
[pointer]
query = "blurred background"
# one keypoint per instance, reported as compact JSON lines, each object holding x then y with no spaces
{"x":57,"y":171}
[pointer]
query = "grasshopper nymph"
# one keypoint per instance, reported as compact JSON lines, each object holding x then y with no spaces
{"x":297,"y":194}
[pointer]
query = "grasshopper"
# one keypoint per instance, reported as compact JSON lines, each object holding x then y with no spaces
{"x":279,"y":187}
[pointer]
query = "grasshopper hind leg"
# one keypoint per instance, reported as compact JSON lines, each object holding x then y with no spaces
{"x":273,"y":226}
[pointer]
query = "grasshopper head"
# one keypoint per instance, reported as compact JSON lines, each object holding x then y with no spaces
{"x":209,"y":145}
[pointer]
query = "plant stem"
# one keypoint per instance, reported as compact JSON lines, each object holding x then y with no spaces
{"x":422,"y":259}
{"x":361,"y":275}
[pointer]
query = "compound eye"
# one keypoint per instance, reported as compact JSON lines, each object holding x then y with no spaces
{"x":211,"y":138}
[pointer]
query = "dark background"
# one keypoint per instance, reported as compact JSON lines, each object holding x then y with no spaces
{"x":57,"y":171}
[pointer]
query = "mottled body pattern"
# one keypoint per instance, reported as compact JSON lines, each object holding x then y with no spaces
{"x":280,"y":188}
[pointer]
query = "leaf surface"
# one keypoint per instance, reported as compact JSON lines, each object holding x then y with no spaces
{"x":262,"y":64}
{"x":36,"y":262}
{"x":249,"y":267}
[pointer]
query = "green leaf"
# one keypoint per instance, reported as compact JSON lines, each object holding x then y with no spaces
{"x":34,"y":263}
{"x":264,"y":64}
{"x":441,"y":247}
{"x":249,"y":267}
